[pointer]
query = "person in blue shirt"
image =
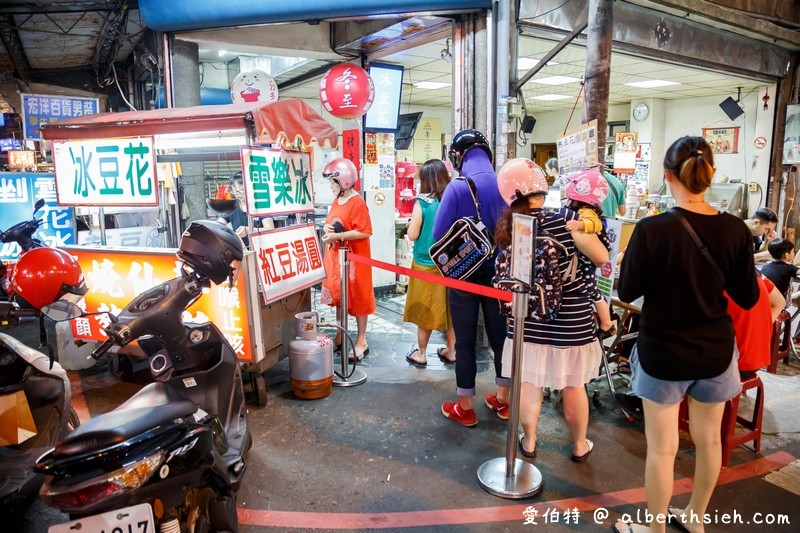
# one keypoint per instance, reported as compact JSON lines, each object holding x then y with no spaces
{"x":472,"y":157}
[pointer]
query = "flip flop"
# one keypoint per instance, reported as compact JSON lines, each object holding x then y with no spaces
{"x":582,"y":458}
{"x":628,"y":527}
{"x":440,"y":352}
{"x":675,"y":519}
{"x":414,"y":361}
{"x":359,"y":354}
{"x":525,"y":452}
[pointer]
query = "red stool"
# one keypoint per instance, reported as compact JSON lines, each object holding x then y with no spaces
{"x":781,"y":342}
{"x":731,"y":418}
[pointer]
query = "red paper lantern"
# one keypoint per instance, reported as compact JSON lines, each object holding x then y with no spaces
{"x":346,"y":91}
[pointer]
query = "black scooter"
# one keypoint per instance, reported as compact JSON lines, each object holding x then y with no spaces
{"x":174,"y":454}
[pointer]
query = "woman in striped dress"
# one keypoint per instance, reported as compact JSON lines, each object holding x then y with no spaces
{"x":563,"y":353}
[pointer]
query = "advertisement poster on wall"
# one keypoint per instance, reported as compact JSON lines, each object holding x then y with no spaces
{"x":723,"y":140}
{"x":116,"y":276}
{"x":18,"y":193}
{"x":625,"y":150}
{"x":289,"y":260}
{"x":791,"y":136}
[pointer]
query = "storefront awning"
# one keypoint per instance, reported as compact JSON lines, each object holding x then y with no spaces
{"x":291,"y":118}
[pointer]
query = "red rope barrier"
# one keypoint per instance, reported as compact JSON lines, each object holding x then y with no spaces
{"x":466,"y":286}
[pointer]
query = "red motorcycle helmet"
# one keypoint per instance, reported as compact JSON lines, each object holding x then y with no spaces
{"x":44,"y":275}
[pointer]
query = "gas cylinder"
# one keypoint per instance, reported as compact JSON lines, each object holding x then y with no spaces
{"x":310,"y":359}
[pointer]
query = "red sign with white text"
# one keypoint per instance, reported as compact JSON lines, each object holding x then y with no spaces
{"x":289,"y":260}
{"x":116,"y":276}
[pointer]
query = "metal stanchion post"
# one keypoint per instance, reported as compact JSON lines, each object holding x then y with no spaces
{"x":509,"y":477}
{"x":358,"y":376}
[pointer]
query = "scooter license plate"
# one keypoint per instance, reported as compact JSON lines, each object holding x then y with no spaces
{"x":134,"y":519}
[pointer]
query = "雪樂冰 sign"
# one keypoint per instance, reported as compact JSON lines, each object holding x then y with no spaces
{"x":38,"y":110}
{"x":106,"y":172}
{"x":276,"y":181}
{"x":19,"y":191}
{"x":289,"y":260}
{"x":115,"y":277}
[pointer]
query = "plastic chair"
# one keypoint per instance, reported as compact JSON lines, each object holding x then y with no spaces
{"x":781,"y":342}
{"x":731,"y":418}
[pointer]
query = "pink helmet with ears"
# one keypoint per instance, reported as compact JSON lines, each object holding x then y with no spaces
{"x":342,"y":171}
{"x":587,"y":186}
{"x":519,"y":178}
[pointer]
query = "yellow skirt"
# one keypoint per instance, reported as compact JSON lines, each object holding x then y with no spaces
{"x":426,"y":303}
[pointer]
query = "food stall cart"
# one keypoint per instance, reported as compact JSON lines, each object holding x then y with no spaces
{"x":103,"y":159}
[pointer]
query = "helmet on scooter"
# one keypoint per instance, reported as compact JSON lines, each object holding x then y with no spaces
{"x":44,"y":275}
{"x":519,"y":178}
{"x":342,"y":171}
{"x":463,"y":142}
{"x":587,"y":186}
{"x":210,"y":248}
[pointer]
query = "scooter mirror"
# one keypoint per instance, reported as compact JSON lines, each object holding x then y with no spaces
{"x":38,"y":205}
{"x":62,"y":310}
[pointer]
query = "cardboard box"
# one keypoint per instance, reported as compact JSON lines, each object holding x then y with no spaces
{"x":16,"y":420}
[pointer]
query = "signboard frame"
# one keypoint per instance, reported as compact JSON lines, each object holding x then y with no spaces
{"x":31,"y":130}
{"x":378,"y":106}
{"x":291,"y":173}
{"x":59,"y":163}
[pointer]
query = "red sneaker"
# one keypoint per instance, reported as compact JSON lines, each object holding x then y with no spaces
{"x":500,"y":408}
{"x":465,"y":417}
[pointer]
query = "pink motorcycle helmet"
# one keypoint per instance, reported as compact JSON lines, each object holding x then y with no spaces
{"x":587,"y":186}
{"x":519,"y":178}
{"x":342,"y":171}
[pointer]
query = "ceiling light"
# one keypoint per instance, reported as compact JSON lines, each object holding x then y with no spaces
{"x":222,"y":53}
{"x":431,"y":85}
{"x":527,"y":63}
{"x":550,"y":97}
{"x":650,"y":84}
{"x":556,"y":80}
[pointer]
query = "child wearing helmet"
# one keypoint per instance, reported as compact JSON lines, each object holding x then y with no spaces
{"x":586,"y":192}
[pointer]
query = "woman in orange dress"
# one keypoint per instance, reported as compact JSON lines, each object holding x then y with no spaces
{"x":348,"y":224}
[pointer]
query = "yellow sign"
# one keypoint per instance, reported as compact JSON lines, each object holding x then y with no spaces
{"x":117,"y":276}
{"x":21,"y":159}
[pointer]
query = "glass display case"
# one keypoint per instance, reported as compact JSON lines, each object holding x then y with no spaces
{"x":729,"y":197}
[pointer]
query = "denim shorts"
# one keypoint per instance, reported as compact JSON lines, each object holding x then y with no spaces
{"x":712,"y":390}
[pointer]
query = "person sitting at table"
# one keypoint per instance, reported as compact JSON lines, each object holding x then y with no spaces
{"x":753,"y":327}
{"x":762,"y":227}
{"x":784,"y":266}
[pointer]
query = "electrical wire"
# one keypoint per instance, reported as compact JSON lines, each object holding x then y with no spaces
{"x":566,"y":126}
{"x":121,"y":93}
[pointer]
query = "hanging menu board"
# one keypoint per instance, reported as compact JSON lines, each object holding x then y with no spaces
{"x":577,"y":149}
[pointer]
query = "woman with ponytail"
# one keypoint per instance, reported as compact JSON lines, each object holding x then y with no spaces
{"x":686,"y":342}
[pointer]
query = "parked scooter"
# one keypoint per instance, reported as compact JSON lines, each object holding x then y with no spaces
{"x":32,"y":381}
{"x":174,"y":454}
{"x":21,"y":233}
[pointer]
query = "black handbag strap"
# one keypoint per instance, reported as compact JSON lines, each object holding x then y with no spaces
{"x":474,"y":193}
{"x":700,"y":244}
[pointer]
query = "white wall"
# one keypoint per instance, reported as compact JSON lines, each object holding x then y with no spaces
{"x":550,"y":126}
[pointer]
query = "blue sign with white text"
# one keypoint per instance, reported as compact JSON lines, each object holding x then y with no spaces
{"x":38,"y":110}
{"x":18,"y":193}
{"x":388,"y":81}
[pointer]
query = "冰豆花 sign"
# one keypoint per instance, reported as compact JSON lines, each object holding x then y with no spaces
{"x":106,"y":172}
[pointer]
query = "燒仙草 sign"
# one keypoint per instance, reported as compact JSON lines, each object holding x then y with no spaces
{"x":106,"y":172}
{"x":289,"y":260}
{"x":276,"y":181}
{"x":115,"y":277}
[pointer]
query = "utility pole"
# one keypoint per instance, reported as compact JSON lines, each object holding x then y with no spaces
{"x":598,"y":68}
